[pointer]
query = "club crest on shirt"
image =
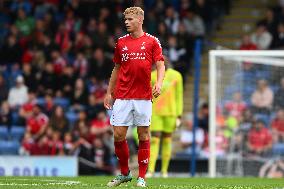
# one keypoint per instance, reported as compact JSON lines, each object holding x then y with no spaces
{"x":125,"y":48}
{"x":142,"y":46}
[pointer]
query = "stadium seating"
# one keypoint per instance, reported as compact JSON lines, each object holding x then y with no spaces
{"x":9,"y":147}
{"x":17,"y":132}
{"x":4,"y":134}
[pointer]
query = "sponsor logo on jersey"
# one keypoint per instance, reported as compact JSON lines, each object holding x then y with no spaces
{"x":133,"y":56}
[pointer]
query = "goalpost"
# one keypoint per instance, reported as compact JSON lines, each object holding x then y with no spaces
{"x":236,"y":74}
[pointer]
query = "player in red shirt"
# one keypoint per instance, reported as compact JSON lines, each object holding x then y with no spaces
{"x":129,"y":92}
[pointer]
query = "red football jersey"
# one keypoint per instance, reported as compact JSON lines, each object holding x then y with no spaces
{"x":136,"y":56}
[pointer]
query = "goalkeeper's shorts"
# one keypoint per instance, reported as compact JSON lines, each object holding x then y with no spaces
{"x":165,"y":124}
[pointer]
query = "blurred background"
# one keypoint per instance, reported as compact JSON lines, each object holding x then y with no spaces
{"x":55,"y":62}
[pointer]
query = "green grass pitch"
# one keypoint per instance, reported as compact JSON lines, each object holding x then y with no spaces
{"x":97,"y":182}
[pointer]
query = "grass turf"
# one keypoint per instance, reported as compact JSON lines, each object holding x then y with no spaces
{"x":97,"y":182}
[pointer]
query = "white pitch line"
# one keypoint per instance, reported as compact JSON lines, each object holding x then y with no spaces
{"x":50,"y":182}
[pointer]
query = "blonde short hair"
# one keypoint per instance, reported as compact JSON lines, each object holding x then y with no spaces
{"x":134,"y":10}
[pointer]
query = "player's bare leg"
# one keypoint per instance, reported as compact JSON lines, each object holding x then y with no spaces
{"x":143,"y":153}
{"x":122,"y":153}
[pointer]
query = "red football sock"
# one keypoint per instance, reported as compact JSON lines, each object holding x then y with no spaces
{"x":122,"y":153}
{"x":143,"y":157}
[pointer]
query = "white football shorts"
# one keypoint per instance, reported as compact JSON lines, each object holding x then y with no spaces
{"x":131,"y":113}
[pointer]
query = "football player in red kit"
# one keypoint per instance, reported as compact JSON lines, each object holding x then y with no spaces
{"x":129,"y":92}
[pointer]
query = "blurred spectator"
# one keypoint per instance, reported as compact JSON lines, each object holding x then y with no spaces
{"x":247,"y":44}
{"x":58,"y":62}
{"x":81,"y":65}
{"x":50,"y":23}
{"x":30,"y":77}
{"x":222,"y":144}
{"x":24,"y":23}
{"x":81,"y":127}
{"x":98,"y":89}
{"x":3,"y":89}
{"x":56,"y":144}
{"x":47,"y":80}
{"x":47,"y":46}
{"x":186,"y":138}
{"x":194,"y":24}
{"x":102,"y":157}
{"x":172,"y":20}
{"x":67,"y":81}
{"x":93,"y":107}
{"x":236,"y":106}
{"x":279,"y":96}
{"x":101,"y":36}
{"x":38,"y":32}
{"x":261,"y":37}
{"x":100,"y":125}
{"x":58,"y":121}
{"x":162,"y":34}
{"x":11,"y":51}
{"x":177,"y":56}
{"x":269,"y":21}
{"x":202,"y":7}
{"x":41,"y":9}
{"x":92,"y":27}
{"x":231,"y":125}
{"x":278,"y":39}
{"x":203,"y":117}
{"x":69,"y":146}
{"x":185,"y":41}
{"x":262,"y":98}
{"x":62,"y":38}
{"x":27,"y":144}
{"x":277,"y":126}
{"x":259,"y":139}
{"x":151,"y":22}
{"x":37,"y":123}
{"x":79,"y":42}
{"x":26,"y":110}
{"x":20,"y":90}
{"x":5,"y":114}
{"x":80,"y":94}
{"x":100,"y":66}
{"x":49,"y":104}
{"x":246,"y":120}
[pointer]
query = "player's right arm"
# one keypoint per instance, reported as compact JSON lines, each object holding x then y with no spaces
{"x":108,"y":101}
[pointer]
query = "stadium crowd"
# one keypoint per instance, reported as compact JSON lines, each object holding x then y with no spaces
{"x":269,"y":32}
{"x":56,"y":58}
{"x":250,"y":118}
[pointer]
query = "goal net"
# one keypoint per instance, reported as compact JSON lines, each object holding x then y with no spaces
{"x":246,"y":135}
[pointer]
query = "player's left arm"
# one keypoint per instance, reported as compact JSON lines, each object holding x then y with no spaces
{"x":160,"y":77}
